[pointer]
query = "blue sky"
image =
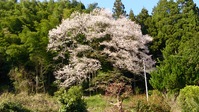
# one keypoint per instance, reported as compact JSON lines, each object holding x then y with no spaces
{"x":135,"y":5}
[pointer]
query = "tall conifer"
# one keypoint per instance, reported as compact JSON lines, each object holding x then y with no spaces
{"x":143,"y":19}
{"x":179,"y":36}
{"x":118,"y":9}
{"x":132,"y":16}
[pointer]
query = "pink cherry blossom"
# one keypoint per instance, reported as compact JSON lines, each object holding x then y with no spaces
{"x":126,"y":48}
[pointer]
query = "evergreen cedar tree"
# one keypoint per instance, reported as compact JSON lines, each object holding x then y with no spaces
{"x":176,"y":24}
{"x":132,"y":16}
{"x":118,"y":9}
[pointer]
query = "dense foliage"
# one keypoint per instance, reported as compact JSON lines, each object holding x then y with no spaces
{"x":62,"y":41}
{"x":12,"y":107}
{"x":23,"y":40}
{"x":177,"y":37}
{"x":71,"y":100}
{"x":188,"y":99}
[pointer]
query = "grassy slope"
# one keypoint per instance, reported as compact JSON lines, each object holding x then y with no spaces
{"x":135,"y":103}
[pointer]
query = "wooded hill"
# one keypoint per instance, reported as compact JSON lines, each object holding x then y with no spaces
{"x":49,"y":45}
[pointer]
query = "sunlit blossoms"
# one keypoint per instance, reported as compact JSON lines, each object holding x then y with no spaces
{"x":120,"y":40}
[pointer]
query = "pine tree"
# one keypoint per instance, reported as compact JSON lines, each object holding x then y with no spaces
{"x":184,"y":28}
{"x":179,"y":70}
{"x":91,"y":7}
{"x":132,"y":16}
{"x":143,"y":20}
{"x":179,"y":66}
{"x":118,"y":9}
{"x":189,"y":21}
{"x":165,"y":15}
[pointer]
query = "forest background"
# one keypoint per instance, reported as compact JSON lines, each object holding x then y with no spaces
{"x":28,"y":63}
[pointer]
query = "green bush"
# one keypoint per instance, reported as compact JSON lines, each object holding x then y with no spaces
{"x":188,"y":99}
{"x":71,"y":100}
{"x":12,"y":107}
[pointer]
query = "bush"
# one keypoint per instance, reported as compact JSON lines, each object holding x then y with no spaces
{"x":188,"y":99}
{"x":156,"y":103}
{"x":12,"y":107}
{"x":71,"y":100}
{"x":150,"y":107}
{"x":20,"y":80}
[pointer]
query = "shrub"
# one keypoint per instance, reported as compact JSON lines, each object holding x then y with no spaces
{"x":12,"y":107}
{"x":150,"y":107}
{"x":188,"y":99}
{"x":156,"y":103}
{"x":20,"y":80}
{"x":71,"y":100}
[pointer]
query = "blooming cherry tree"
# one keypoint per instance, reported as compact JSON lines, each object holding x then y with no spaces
{"x":125,"y":46}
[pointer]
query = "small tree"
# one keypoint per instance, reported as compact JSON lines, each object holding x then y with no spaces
{"x":120,"y":91}
{"x":71,"y":100}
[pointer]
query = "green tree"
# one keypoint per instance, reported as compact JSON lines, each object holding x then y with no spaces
{"x":169,"y":75}
{"x":23,"y":39}
{"x":132,"y":16}
{"x":189,"y":51}
{"x":189,"y":19}
{"x":118,"y":9}
{"x":186,"y":27}
{"x":143,"y":19}
{"x":179,"y":66}
{"x":91,"y":7}
{"x":165,"y":16}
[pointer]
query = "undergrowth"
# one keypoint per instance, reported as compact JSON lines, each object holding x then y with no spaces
{"x":35,"y":103}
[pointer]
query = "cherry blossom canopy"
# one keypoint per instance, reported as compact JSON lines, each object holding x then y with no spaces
{"x":126,"y":47}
